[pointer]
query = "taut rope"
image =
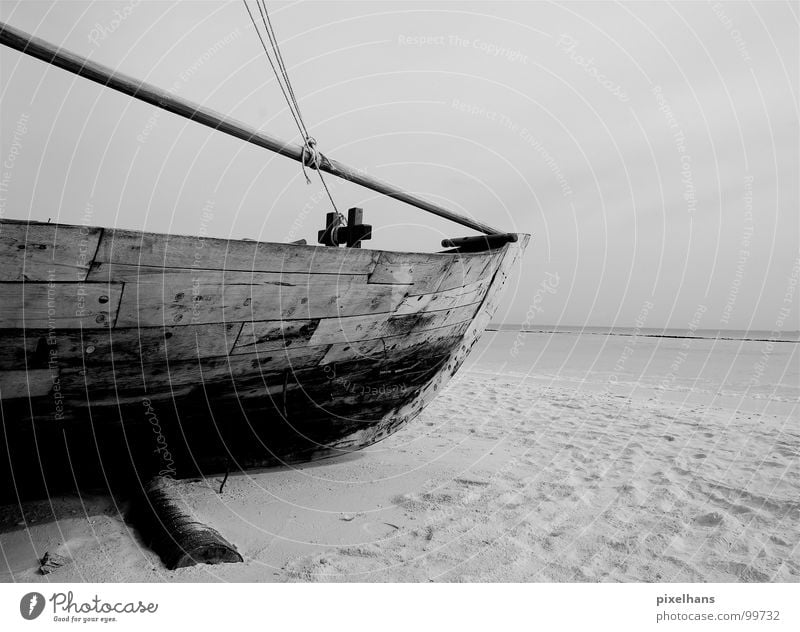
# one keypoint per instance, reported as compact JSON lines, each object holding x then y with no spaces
{"x":312,"y":158}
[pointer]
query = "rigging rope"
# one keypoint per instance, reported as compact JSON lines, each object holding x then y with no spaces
{"x":311,"y":156}
{"x":273,"y":40}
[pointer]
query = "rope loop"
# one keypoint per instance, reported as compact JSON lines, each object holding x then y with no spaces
{"x":311,"y":157}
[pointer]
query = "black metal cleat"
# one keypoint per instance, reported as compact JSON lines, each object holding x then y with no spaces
{"x":336,"y":233}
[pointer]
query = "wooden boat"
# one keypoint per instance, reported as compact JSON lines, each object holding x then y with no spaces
{"x":125,"y":353}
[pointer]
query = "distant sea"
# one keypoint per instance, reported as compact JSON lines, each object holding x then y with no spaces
{"x":712,"y":334}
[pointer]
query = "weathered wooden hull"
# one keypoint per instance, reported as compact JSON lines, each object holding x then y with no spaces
{"x":126,"y":353}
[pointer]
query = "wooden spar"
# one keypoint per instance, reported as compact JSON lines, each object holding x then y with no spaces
{"x":178,"y":537}
{"x":480,"y":243}
{"x":39,"y":48}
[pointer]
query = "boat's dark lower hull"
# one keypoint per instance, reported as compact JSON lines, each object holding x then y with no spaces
{"x":297,"y":416}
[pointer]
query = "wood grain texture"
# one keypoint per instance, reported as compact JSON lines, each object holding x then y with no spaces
{"x":153,"y":376}
{"x":409,"y":409}
{"x":447,"y":299}
{"x":360,"y":328}
{"x":424,"y":271}
{"x":92,"y":347}
{"x":24,"y":383}
{"x":151,"y":250}
{"x":179,"y":299}
{"x":59,"y":305}
{"x":270,"y":335}
{"x":177,"y":535}
{"x":36,"y":252}
{"x":379,"y":349}
{"x":468,"y":269}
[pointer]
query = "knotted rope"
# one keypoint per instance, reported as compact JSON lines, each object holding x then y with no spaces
{"x":311,"y":157}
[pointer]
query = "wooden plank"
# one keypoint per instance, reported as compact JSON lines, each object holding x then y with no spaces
{"x":269,"y":335}
{"x":435,"y":272}
{"x":180,"y":251}
{"x":185,"y":278}
{"x":172,"y":343}
{"x":360,"y":328}
{"x":25,"y":383}
{"x":424,"y":271}
{"x":18,"y":349}
{"x":385,"y":348}
{"x":46,"y":252}
{"x":59,"y":305}
{"x":196,"y":297}
{"x":159,"y":376}
{"x":468,"y":269}
{"x":471,"y":293}
{"x":104,"y":347}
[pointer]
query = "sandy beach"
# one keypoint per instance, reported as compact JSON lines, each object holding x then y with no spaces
{"x":549,"y":458}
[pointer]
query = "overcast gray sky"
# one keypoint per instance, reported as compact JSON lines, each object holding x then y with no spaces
{"x":651,"y":148}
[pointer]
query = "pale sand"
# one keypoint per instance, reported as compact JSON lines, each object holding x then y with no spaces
{"x":573,"y":461}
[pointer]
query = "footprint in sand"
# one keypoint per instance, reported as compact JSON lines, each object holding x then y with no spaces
{"x":380,"y":529}
{"x":426,"y":533}
{"x":712,"y":519}
{"x":746,"y":573}
{"x":509,"y":500}
{"x":471,"y":482}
